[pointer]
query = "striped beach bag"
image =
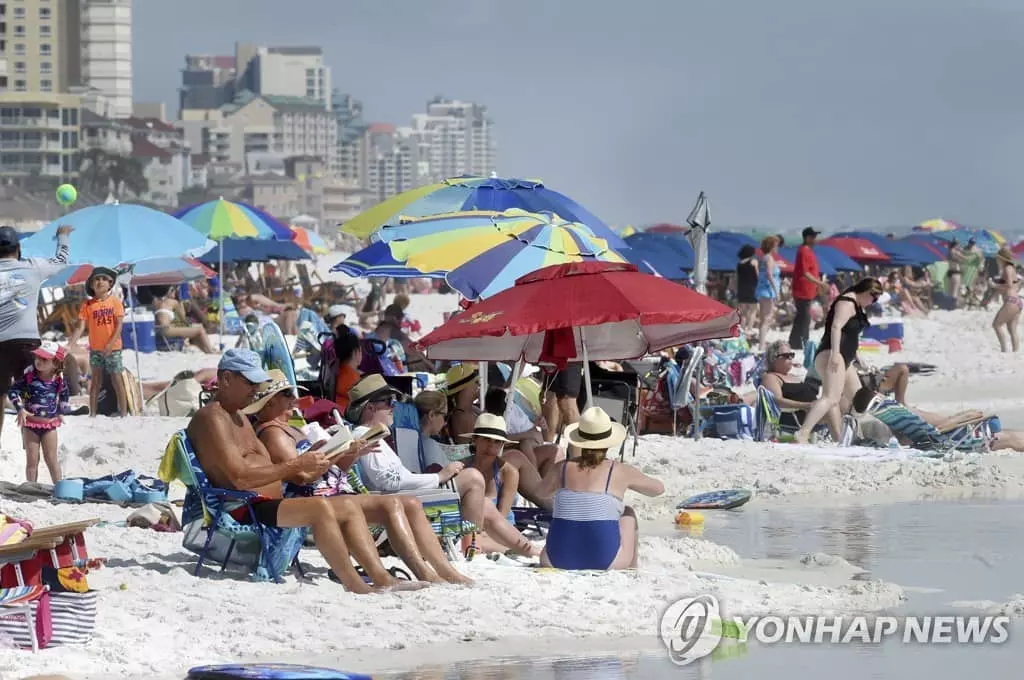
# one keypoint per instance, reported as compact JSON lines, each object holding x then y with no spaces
{"x":72,"y":617}
{"x":25,"y":617}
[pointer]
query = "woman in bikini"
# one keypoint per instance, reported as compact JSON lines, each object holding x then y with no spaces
{"x":497,"y":533}
{"x":172,"y":321}
{"x":838,"y":349}
{"x":769,"y":284}
{"x":1008,"y":315}
{"x":409,"y":531}
{"x":501,"y":479}
{"x":592,"y":527}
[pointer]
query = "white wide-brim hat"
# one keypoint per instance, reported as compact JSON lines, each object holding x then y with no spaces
{"x":595,"y":430}
{"x":489,"y":426}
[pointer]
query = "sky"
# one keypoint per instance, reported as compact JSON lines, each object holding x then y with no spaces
{"x":787,"y":113}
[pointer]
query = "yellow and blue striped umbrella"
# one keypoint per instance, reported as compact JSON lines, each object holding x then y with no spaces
{"x":484,"y":252}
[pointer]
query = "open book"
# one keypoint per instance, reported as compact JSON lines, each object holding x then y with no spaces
{"x":342,"y":439}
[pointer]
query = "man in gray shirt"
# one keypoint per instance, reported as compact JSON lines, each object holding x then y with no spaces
{"x":20,"y":281}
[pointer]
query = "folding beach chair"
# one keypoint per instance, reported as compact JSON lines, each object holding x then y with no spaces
{"x":973,"y":435}
{"x":771,"y":421}
{"x":17,"y":602}
{"x":678,"y":384}
{"x":267,"y":551}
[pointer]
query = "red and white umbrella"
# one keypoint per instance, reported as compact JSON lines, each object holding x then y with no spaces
{"x":578,"y":312}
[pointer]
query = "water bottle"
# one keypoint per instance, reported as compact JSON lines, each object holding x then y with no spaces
{"x":894,"y":443}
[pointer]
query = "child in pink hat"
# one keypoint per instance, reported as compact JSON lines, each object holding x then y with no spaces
{"x":41,"y":398}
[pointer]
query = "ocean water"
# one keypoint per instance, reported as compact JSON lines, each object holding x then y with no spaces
{"x":945,"y":551}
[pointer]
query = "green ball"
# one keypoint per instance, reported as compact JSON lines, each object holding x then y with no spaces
{"x":66,"y":194}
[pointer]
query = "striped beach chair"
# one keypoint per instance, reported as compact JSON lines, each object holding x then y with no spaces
{"x":973,"y":436}
{"x":17,"y":602}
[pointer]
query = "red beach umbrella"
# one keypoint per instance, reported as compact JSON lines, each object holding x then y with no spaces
{"x":857,"y":249}
{"x":585,"y":310}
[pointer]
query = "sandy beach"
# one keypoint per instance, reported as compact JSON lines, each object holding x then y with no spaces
{"x":156,"y":619}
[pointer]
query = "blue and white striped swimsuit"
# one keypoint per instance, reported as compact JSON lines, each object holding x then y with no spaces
{"x":584,"y":532}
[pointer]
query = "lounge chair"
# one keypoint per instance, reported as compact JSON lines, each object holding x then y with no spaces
{"x":972,"y":434}
{"x":268,"y":551}
{"x":771,"y":420}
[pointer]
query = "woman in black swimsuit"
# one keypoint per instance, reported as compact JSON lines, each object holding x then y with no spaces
{"x":746,"y":286}
{"x":834,"y":361}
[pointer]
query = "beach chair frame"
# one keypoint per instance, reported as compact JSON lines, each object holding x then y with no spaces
{"x":680,"y":395}
{"x":213,"y":501}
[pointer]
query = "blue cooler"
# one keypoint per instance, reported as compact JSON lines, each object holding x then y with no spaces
{"x":883,"y":331}
{"x":145,"y":328}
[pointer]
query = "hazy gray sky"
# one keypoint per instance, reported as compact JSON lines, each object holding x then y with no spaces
{"x":787,"y":113}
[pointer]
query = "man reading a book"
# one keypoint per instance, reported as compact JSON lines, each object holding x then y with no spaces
{"x":234,"y":458}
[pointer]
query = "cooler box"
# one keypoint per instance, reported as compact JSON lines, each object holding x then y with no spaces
{"x":145,"y":328}
{"x":733,"y":422}
{"x":883,"y":331}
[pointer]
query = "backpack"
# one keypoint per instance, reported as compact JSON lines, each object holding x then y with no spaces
{"x":329,"y":366}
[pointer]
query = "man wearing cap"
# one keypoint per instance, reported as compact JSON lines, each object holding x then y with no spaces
{"x":807,"y":285}
{"x":20,"y":281}
{"x":234,"y":458}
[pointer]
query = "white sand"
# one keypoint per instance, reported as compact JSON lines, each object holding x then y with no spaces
{"x":165,"y":620}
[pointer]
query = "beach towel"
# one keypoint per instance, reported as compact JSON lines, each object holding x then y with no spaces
{"x":974,"y":436}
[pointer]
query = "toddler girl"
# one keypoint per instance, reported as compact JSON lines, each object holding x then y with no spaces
{"x":41,"y":398}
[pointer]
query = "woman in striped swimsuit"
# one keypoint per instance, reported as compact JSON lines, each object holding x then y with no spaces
{"x":591,"y":527}
{"x":1008,"y":316}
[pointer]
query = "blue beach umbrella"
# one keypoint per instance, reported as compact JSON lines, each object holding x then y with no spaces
{"x":253,"y":250}
{"x":460,"y":194}
{"x":376,"y":260}
{"x":670,"y":256}
{"x":118,"y":233}
{"x":900,"y":252}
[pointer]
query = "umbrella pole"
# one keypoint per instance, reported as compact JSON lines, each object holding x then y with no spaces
{"x":517,"y":370}
{"x":482,"y":368}
{"x":221,"y":314}
{"x":586,"y":369}
{"x":135,"y":333}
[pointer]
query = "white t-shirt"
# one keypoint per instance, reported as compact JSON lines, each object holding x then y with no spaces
{"x":383,"y":470}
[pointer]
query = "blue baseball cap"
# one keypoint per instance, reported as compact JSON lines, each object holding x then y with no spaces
{"x":245,"y":362}
{"x":9,"y":237}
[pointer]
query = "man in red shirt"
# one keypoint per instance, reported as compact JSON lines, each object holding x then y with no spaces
{"x":807,"y":285}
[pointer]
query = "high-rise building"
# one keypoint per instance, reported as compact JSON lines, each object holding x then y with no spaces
{"x":40,"y":45}
{"x":207,"y":82}
{"x":39,"y":135}
{"x":106,"y":50}
{"x":283,"y":71}
{"x":453,"y":138}
{"x":353,"y":138}
{"x":391,"y":162}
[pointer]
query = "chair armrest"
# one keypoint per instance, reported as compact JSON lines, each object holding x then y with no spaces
{"x":233,"y":495}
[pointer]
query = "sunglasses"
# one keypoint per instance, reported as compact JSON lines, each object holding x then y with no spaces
{"x":787,"y":355}
{"x":385,"y":401}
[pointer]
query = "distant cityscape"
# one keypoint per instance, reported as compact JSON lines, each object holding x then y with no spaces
{"x":263,"y":124}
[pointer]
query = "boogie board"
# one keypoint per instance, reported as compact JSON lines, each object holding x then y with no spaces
{"x":270,"y":671}
{"x":275,"y":352}
{"x":725,"y":499}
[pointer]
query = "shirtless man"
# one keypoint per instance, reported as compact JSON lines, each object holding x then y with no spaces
{"x":233,"y":458}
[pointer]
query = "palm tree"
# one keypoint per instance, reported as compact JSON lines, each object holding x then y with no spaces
{"x":110,"y":173}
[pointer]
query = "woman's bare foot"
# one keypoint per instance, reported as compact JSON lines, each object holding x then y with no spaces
{"x":401,"y":585}
{"x":802,"y":437}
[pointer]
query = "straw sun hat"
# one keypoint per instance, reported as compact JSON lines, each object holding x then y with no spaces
{"x":278,"y":383}
{"x":459,"y":377}
{"x":1005,"y":254}
{"x":489,"y":426}
{"x":595,"y":430}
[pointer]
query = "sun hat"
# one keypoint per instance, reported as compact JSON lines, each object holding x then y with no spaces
{"x":337,"y":312}
{"x":363,"y":392}
{"x":245,"y":362}
{"x":489,"y":426}
{"x":50,"y":350}
{"x":595,"y":430}
{"x":97,"y":272}
{"x":278,"y":383}
{"x":1005,"y":254}
{"x":459,"y":377}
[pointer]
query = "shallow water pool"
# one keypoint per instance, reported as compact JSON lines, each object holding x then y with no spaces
{"x":943,"y":551}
